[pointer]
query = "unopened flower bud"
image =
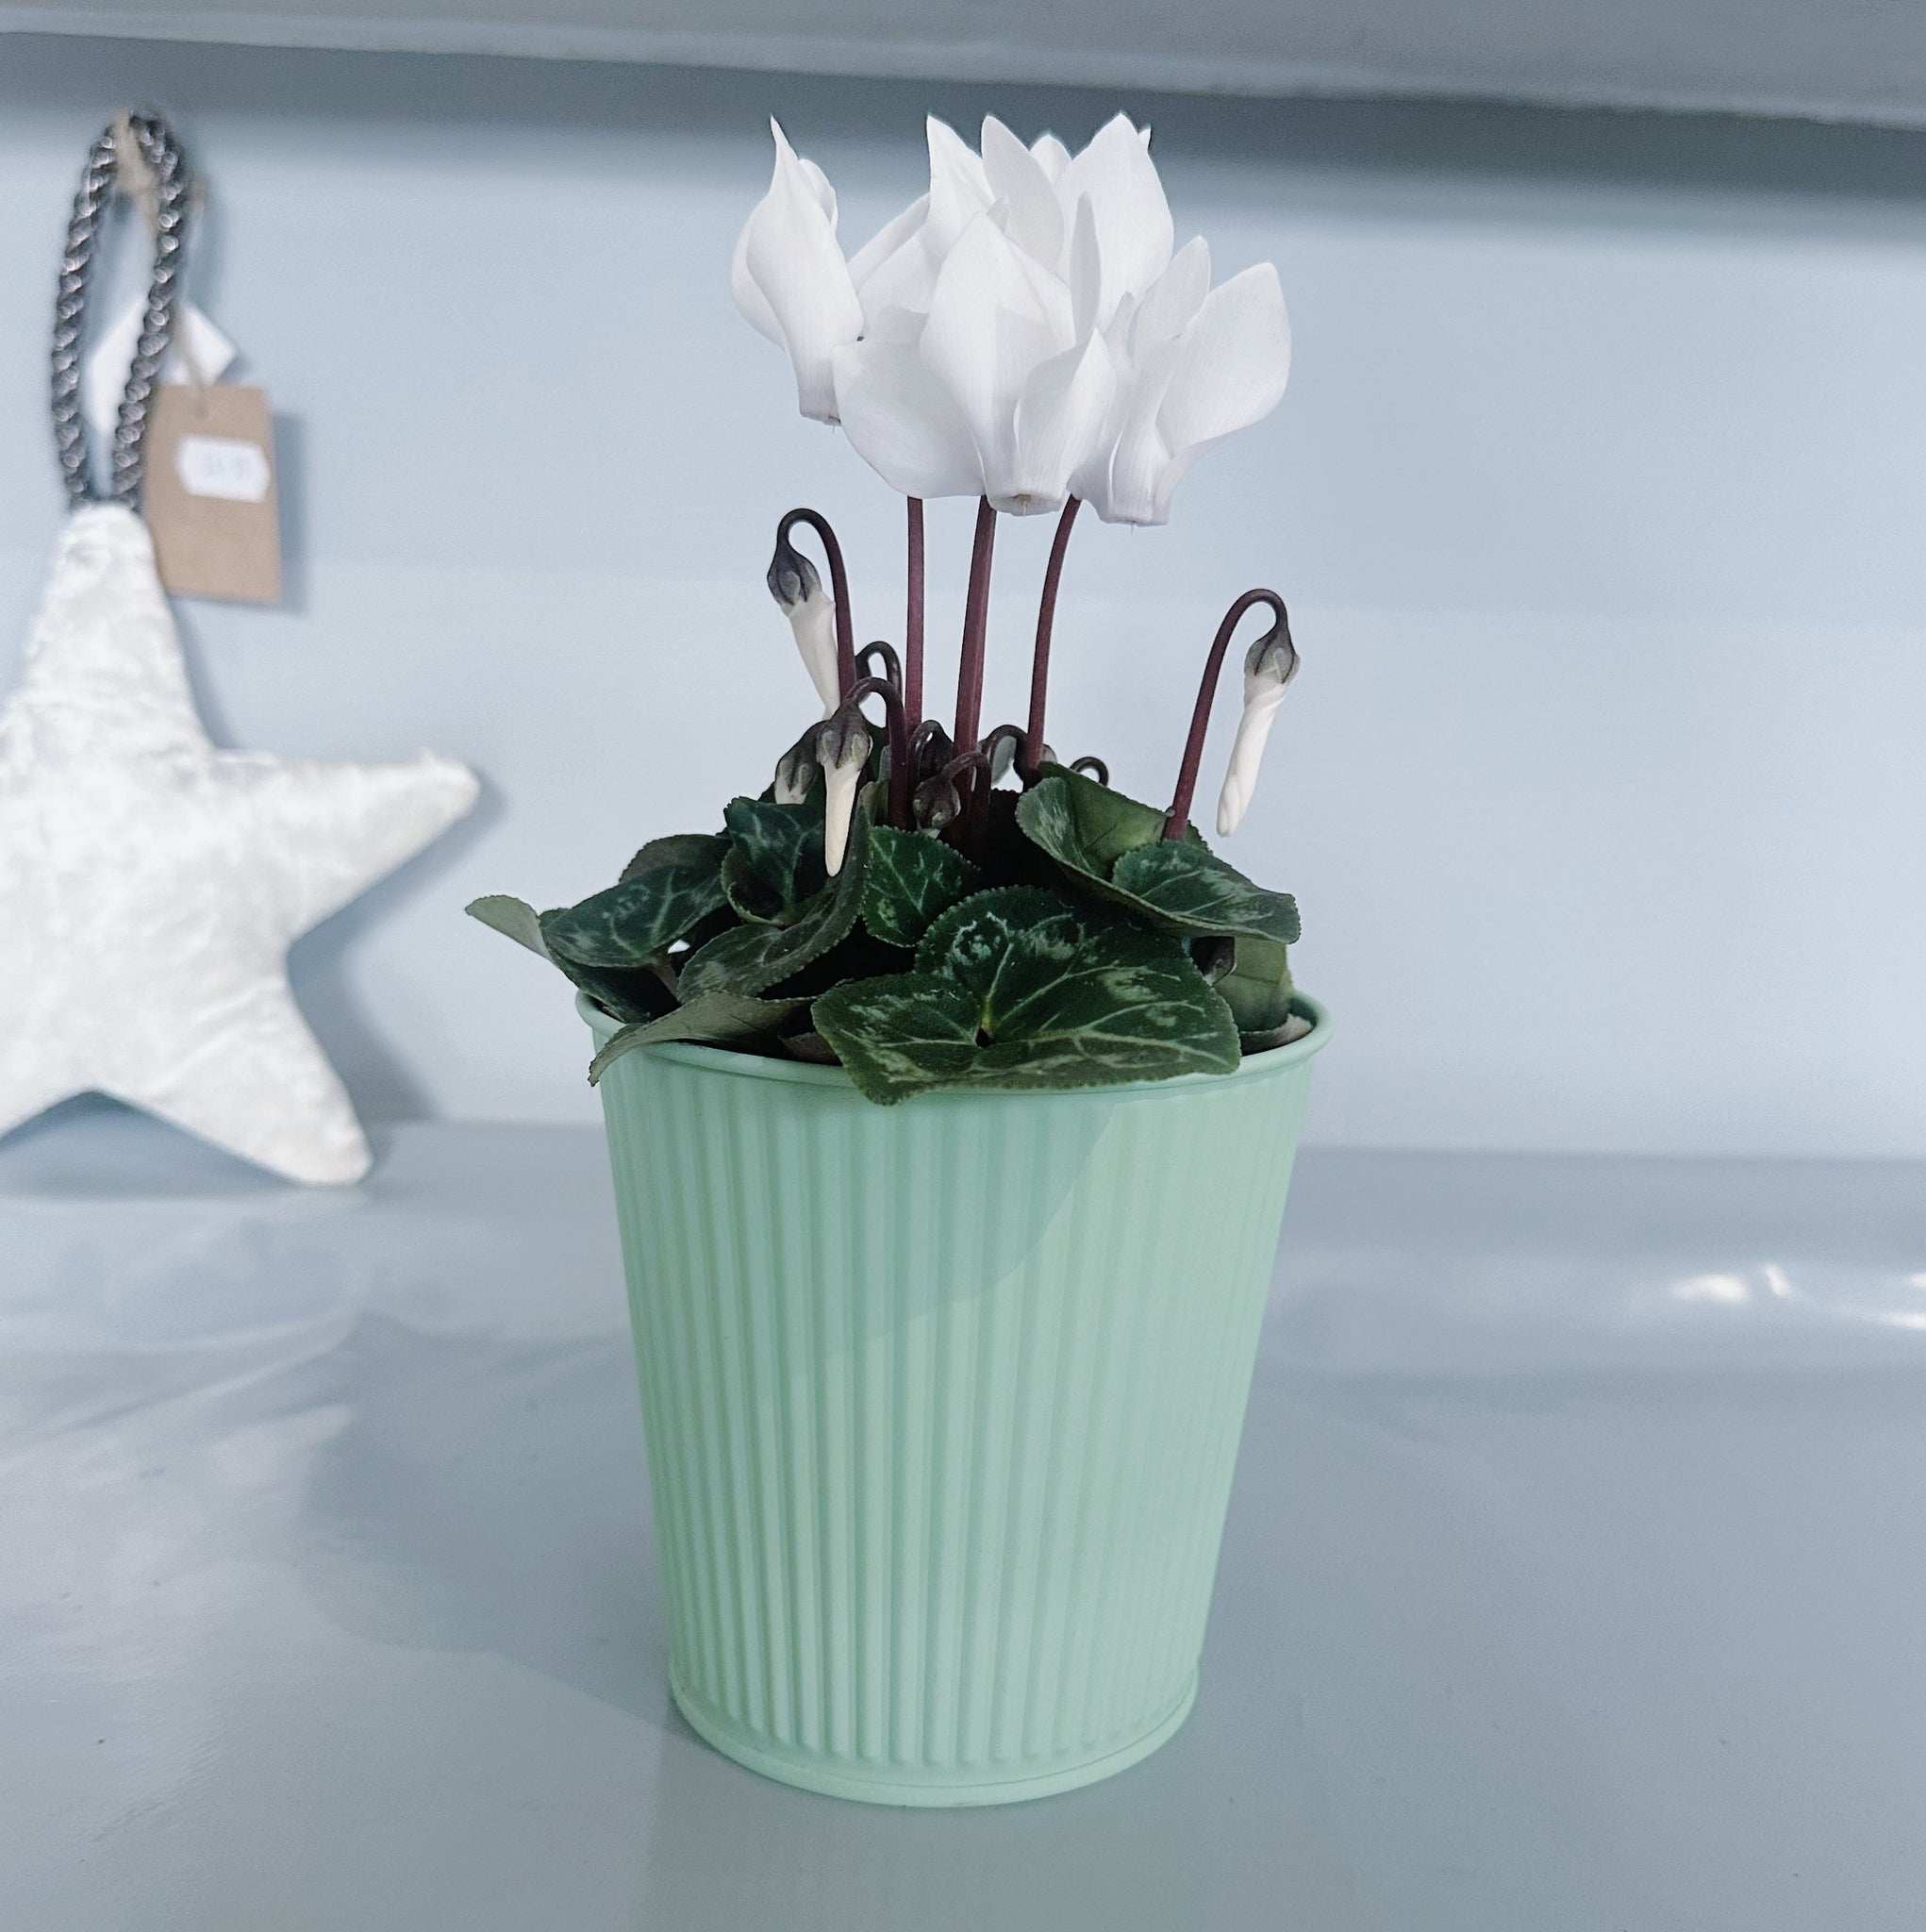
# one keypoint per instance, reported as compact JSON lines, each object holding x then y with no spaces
{"x":842,"y":751}
{"x":936,"y":803}
{"x":1269,"y":664}
{"x":795,"y":771}
{"x":795,"y":585}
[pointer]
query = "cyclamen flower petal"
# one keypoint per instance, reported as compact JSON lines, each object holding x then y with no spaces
{"x":902,"y":421}
{"x":844,"y":749}
{"x":1183,"y":394}
{"x":797,"y":587}
{"x":1026,"y":331}
{"x":1133,"y":228}
{"x":1271,"y":666}
{"x":1247,"y":754}
{"x":789,"y":279}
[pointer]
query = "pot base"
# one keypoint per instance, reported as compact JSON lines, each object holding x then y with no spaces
{"x":925,"y":1789}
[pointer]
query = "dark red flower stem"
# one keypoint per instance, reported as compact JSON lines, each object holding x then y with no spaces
{"x":967,"y":833}
{"x":912,"y":621}
{"x":1040,"y":662}
{"x":1178,"y":818}
{"x":839,"y":591}
{"x":898,"y":729}
{"x":885,"y":654}
{"x":975,"y":628}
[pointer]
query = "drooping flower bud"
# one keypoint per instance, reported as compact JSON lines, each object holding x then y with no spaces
{"x":795,"y":771}
{"x":795,"y":585}
{"x":1269,"y":664}
{"x":842,"y":750}
{"x":937,"y":803}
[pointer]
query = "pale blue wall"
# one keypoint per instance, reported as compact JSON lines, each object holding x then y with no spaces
{"x":1597,"y":499}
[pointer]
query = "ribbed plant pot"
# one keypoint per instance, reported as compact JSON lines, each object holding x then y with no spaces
{"x":942,"y":1403}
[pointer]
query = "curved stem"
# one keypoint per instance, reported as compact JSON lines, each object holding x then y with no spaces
{"x":1095,"y":766}
{"x":975,"y":627}
{"x":892,"y":667}
{"x":912,"y":621}
{"x":967,"y":831}
{"x":839,"y":591}
{"x":1046,"y":623}
{"x":898,"y":738}
{"x":1178,"y":818}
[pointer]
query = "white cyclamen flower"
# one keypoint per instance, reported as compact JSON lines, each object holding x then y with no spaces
{"x":983,"y":368}
{"x":796,"y":585}
{"x":1195,"y":364}
{"x":789,"y":279}
{"x":842,"y":750}
{"x":1270,"y":664}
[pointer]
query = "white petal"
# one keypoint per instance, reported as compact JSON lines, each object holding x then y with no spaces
{"x":958,"y":190}
{"x":749,"y":298}
{"x":1246,"y":753}
{"x":1086,"y":270}
{"x":814,"y":622}
{"x":902,"y":422}
{"x":995,"y":317}
{"x":1173,"y":301}
{"x":1233,"y":363}
{"x":886,"y":240}
{"x":1133,"y":228}
{"x":1059,"y":421}
{"x":838,"y":807}
{"x":1031,"y":218}
{"x":1052,"y":156}
{"x":788,"y":255}
{"x":1124,"y":486}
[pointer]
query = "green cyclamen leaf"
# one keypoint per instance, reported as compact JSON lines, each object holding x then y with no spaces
{"x":1257,"y":987}
{"x":635,"y":922}
{"x":699,"y":850}
{"x":1194,"y":892}
{"x":912,"y":876}
{"x":775,"y":865}
{"x":515,"y":917}
{"x":752,"y":959}
{"x":631,"y":992}
{"x":717,"y":1019}
{"x":1180,"y":885}
{"x":1016,"y":989}
{"x":1084,"y":824}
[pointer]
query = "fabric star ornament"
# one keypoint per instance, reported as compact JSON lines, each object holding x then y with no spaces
{"x":150,"y":883}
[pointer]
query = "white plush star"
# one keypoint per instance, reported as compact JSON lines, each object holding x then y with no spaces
{"x":150,"y":885}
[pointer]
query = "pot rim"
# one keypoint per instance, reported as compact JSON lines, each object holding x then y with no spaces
{"x":755,"y":1066}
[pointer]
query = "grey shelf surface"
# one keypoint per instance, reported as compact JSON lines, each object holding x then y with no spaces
{"x":1766,"y":56}
{"x":1572,"y":1578}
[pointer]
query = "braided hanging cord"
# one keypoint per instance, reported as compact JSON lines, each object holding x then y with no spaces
{"x":110,"y":171}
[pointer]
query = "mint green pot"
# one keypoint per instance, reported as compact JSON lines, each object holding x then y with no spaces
{"x":942,"y":1403}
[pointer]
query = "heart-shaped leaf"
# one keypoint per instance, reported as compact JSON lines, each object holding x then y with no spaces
{"x":1257,"y":987}
{"x":1193,"y":892}
{"x":775,"y":865}
{"x":515,"y":917}
{"x":1086,"y":825}
{"x":752,"y":959}
{"x":1180,"y":885}
{"x":912,"y":876}
{"x":634,"y":992}
{"x":1016,"y":989}
{"x":715,"y":1019}
{"x":639,"y":920}
{"x":696,"y":850}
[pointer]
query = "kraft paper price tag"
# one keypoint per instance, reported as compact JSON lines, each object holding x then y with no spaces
{"x":210,"y":492}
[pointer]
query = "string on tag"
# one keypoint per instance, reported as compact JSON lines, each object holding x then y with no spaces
{"x":135,"y":157}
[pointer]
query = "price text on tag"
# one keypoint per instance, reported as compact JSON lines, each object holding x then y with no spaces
{"x":210,"y":494}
